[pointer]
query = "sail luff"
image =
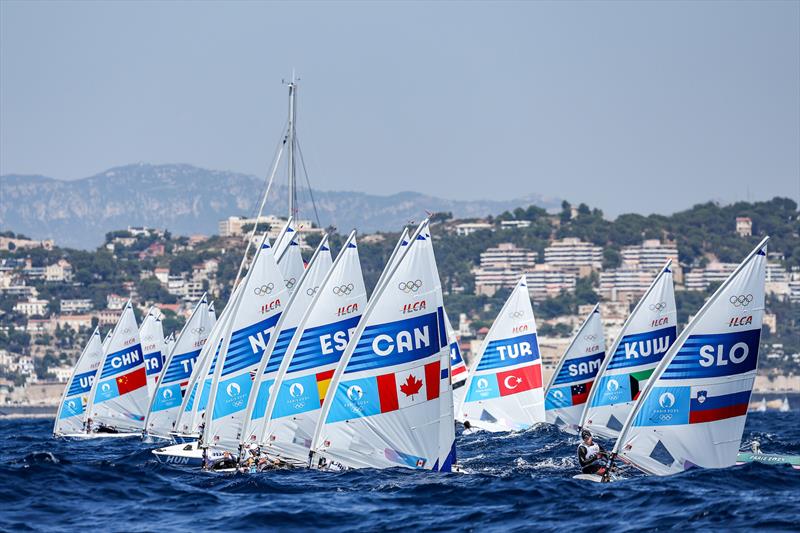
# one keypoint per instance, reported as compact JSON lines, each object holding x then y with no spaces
{"x":93,"y":338}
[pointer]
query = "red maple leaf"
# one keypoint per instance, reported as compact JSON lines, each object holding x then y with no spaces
{"x":411,"y":386}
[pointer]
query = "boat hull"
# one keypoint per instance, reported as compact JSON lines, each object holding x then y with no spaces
{"x":185,"y":455}
{"x":88,"y":436}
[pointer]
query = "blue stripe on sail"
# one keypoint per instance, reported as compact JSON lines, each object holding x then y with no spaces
{"x":180,"y":368}
{"x":81,"y":383}
{"x":121,"y":361}
{"x":248,"y":344}
{"x":642,"y":348}
{"x":322,"y":345}
{"x":442,"y":330}
{"x":279,"y":350}
{"x":512,"y":351}
{"x":394,"y":343}
{"x":153,"y":363}
{"x":722,"y":354}
{"x":579,"y":369}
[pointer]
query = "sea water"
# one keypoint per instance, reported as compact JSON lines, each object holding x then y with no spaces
{"x":515,"y":481}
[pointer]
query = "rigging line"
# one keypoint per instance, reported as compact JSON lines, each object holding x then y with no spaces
{"x":260,"y":209}
{"x":308,"y":183}
{"x":265,"y":191}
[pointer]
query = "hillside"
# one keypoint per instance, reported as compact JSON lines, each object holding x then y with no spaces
{"x":188,"y":200}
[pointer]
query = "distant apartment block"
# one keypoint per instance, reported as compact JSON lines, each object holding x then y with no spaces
{"x":547,"y":281}
{"x":651,"y":256}
{"x":31,"y":307}
{"x":60,"y":271}
{"x":115,"y":302}
{"x":76,"y":306}
{"x":234,"y":226}
{"x":744,"y":226}
{"x":468,"y":228}
{"x":501,"y":267}
{"x":626,"y":283}
{"x":514,"y":224}
{"x":491,"y":279}
{"x":574,"y":255}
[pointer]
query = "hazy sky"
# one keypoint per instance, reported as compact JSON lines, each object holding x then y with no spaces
{"x":629,"y":106}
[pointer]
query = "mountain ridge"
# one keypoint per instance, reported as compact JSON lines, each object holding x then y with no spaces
{"x":187,"y":199}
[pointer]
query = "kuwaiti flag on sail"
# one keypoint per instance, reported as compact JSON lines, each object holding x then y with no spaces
{"x":643,"y":341}
{"x":153,"y":347}
{"x":168,"y":397}
{"x":504,"y":386}
{"x":254,"y":314}
{"x":693,"y":411}
{"x":70,"y":417}
{"x":313,"y":353}
{"x":119,"y":396}
{"x":389,"y":377}
{"x":458,"y":367}
{"x":574,"y":375}
{"x":304,"y":292}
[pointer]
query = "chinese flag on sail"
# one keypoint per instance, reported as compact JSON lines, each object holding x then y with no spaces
{"x":131,"y":382}
{"x":519,"y":380}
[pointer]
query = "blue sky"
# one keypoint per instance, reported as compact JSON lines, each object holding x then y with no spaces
{"x":629,"y":106}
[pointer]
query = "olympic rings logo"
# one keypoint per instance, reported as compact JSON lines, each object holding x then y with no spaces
{"x":410,"y":286}
{"x":126,"y":330}
{"x":290,"y":282}
{"x":345,"y":290}
{"x":311,"y":291}
{"x":198,"y":330}
{"x":742,"y":300}
{"x":516,"y":314}
{"x":590,"y":338}
{"x":658,"y":307}
{"x":264,"y":289}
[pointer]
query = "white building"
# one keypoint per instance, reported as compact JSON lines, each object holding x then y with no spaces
{"x":546,"y":281}
{"x":76,"y":306}
{"x":490,"y":279}
{"x":234,"y":226}
{"x":162,"y":275}
{"x":650,"y":256}
{"x":744,"y":226}
{"x":468,"y":228}
{"x":575,"y":255}
{"x":60,"y":271}
{"x":31,"y":307}
{"x":115,"y":302}
{"x":508,"y":255}
{"x":624,"y":284}
{"x":514,"y":224}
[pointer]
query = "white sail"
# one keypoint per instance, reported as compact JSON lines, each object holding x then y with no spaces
{"x":693,"y":409}
{"x":504,"y":386}
{"x":168,"y":398}
{"x":458,"y":367}
{"x":383,"y":409}
{"x":255,"y":313}
{"x":119,"y":399}
{"x":645,"y":337}
{"x":107,"y":340}
{"x":306,"y":288}
{"x":312,"y":356}
{"x":286,"y":235}
{"x":70,"y":417}
{"x":212,"y":314}
{"x":575,"y":373}
{"x":290,"y":260}
{"x":153,"y":347}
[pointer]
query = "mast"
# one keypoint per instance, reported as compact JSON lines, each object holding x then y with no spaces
{"x":291,"y":142}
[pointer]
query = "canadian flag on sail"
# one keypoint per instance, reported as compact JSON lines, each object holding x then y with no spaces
{"x":409,"y":387}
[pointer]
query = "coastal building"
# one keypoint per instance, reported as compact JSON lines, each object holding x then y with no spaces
{"x":59,"y":271}
{"x":468,"y":228}
{"x":73,"y":306}
{"x":31,"y":307}
{"x":547,"y":281}
{"x":626,"y":283}
{"x":236,"y":226}
{"x":514,"y":224}
{"x":11,"y":244}
{"x":575,"y":255}
{"x":699,"y":279}
{"x":501,"y":267}
{"x":651,"y":256}
{"x":115,"y":302}
{"x":162,"y":275}
{"x":744,"y":226}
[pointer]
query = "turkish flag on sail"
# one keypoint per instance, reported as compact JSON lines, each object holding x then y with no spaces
{"x":132,"y":381}
{"x":520,"y":379}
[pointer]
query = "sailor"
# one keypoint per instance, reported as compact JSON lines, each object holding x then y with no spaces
{"x":590,"y":454}
{"x":226,"y":461}
{"x":467,"y":426}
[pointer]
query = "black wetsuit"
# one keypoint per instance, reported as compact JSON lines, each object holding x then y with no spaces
{"x":589,"y":457}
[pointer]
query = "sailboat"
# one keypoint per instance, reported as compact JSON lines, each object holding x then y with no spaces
{"x":645,"y":337}
{"x":762,"y":406}
{"x":574,"y":375}
{"x":784,"y":408}
{"x":166,"y":402}
{"x":504,"y":386}
{"x":692,"y":411}
{"x":118,"y":398}
{"x":70,"y":418}
{"x":384,"y":408}
{"x":303,"y":293}
{"x":153,"y":347}
{"x":458,"y":367}
{"x":312,"y":355}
